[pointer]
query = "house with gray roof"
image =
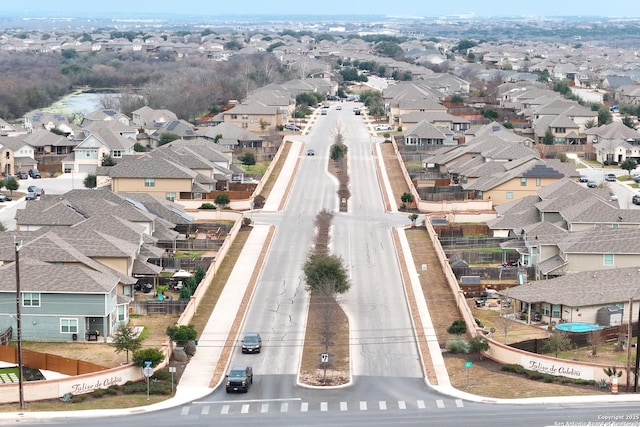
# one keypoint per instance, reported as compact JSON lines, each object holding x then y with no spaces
{"x":425,"y":134}
{"x":182,"y":128}
{"x":147,"y":118}
{"x":16,"y":155}
{"x":101,"y":143}
{"x":440,"y":119}
{"x":565,"y":226}
{"x":106,"y":115}
{"x":580,"y":297}
{"x":612,"y":131}
{"x":61,"y":302}
{"x":39,"y":121}
{"x":231,"y":136}
{"x":628,"y":94}
{"x":7,"y":129}
{"x":256,"y":116}
{"x":48,"y":143}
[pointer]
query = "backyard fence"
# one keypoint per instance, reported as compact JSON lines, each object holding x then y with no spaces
{"x":150,"y":307}
{"x":49,"y":362}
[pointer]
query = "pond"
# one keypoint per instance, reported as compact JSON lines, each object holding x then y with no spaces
{"x":80,"y":102}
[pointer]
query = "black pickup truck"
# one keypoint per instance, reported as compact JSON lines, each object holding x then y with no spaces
{"x":239,"y":379}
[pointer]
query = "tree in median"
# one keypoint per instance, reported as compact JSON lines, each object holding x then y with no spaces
{"x":326,"y":276}
{"x":324,"y":270}
{"x":125,"y":339}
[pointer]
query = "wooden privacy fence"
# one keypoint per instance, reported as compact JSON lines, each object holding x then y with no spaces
{"x":49,"y":362}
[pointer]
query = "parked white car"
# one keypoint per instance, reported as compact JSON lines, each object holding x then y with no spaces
{"x":383,"y":127}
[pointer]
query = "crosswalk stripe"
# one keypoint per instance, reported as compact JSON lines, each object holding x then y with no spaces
{"x":401,"y":404}
{"x":363,"y":405}
{"x":205,"y":410}
{"x":284,"y":407}
{"x":185,"y":410}
{"x":421,"y":404}
{"x":224,"y":410}
{"x":440,"y":403}
{"x":324,"y":406}
{"x":264,"y":408}
{"x":304,"y":406}
{"x":343,"y":406}
{"x":459,"y":403}
{"x":383,"y":405}
{"x":244,"y":409}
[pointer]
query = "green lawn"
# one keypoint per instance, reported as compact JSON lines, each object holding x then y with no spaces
{"x":7,"y":372}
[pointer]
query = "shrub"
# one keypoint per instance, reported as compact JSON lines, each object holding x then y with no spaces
{"x":135,"y":388}
{"x":104,"y":392}
{"x":207,"y":206}
{"x":182,"y":334}
{"x":159,"y":387}
{"x":152,"y":355}
{"x":457,"y":345}
{"x":79,"y":398}
{"x":512,"y":368}
{"x":458,"y":327}
{"x":162,"y":375}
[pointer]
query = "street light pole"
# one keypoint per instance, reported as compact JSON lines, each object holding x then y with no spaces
{"x":18,"y":246}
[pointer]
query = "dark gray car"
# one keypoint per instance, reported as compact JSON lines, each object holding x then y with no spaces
{"x":251,"y":343}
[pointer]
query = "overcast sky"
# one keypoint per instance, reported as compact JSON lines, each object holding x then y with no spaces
{"x":621,"y":8}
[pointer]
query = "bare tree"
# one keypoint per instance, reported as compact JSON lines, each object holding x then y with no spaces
{"x":109,"y":101}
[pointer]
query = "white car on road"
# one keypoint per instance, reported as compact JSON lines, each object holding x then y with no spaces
{"x":383,"y":127}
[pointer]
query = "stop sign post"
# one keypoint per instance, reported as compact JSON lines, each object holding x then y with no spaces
{"x":148,"y":372}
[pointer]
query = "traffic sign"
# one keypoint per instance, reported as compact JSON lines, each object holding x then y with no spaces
{"x":324,"y":357}
{"x":147,"y":363}
{"x":147,"y":372}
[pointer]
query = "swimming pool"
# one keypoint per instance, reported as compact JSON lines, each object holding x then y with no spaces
{"x":578,"y":327}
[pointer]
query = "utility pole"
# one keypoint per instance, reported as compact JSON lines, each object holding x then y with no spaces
{"x":18,"y":246}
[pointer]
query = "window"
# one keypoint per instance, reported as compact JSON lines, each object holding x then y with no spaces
{"x":245,"y":117}
{"x":555,"y":310}
{"x":523,"y":181}
{"x":608,"y":260}
{"x":30,"y":299}
{"x":234,"y":116}
{"x":509,"y":195}
{"x":546,"y":309}
{"x":121,"y":312}
{"x":170,"y":196}
{"x":561,"y":130}
{"x":538,"y":182}
{"x":116,"y":154}
{"x":149,"y":182}
{"x":68,"y":326}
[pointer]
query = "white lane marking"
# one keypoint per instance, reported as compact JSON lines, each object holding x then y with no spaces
{"x":401,"y":404}
{"x":363,"y":406}
{"x":324,"y":406}
{"x":264,"y":408}
{"x":224,"y":410}
{"x":440,"y":403}
{"x":185,"y":410}
{"x":459,"y":403}
{"x":205,"y":410}
{"x":245,"y":409}
{"x":304,"y":407}
{"x":383,"y":405}
{"x":343,"y":406}
{"x":284,"y":407}
{"x":421,"y":404}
